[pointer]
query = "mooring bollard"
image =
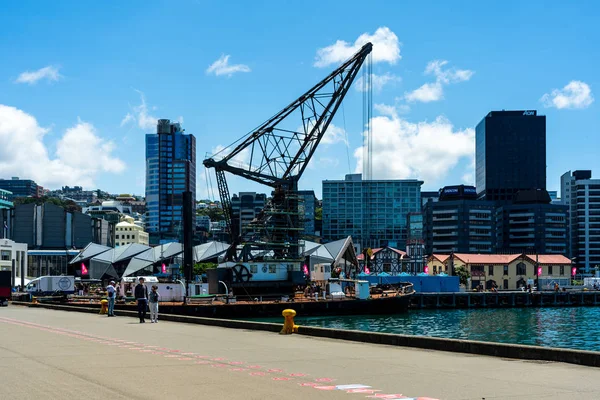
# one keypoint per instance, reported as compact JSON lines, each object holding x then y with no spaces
{"x":104,"y":306}
{"x":288,"y":322}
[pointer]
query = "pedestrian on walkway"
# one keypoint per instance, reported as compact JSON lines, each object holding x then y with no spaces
{"x":141,"y":295}
{"x":111,"y":294}
{"x":153,"y":299}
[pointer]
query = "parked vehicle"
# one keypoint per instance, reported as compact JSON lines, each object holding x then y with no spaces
{"x":5,"y":287}
{"x":51,"y":285}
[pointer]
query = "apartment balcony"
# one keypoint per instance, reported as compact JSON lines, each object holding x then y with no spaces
{"x":475,"y":218}
{"x":556,"y":237}
{"x":553,"y":221}
{"x":519,"y":215}
{"x":444,"y":249}
{"x":472,"y":233}
{"x":520,"y":222}
{"x":446,"y":234}
{"x":448,"y":243}
{"x":438,"y":228}
{"x":476,"y":250}
{"x":449,"y":211}
{"x":528,"y":244}
{"x":440,"y":219}
{"x":530,"y":236}
{"x":521,"y":229}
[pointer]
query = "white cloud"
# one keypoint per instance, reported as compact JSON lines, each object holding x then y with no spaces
{"x":576,"y":94}
{"x":426,"y":93}
{"x":386,"y":48}
{"x":333,"y":135}
{"x":50,"y":73}
{"x":377,"y":81}
{"x":81,"y":154}
{"x":141,"y":116}
{"x":222,"y":67}
{"x":423,"y":150}
{"x":434,"y":91}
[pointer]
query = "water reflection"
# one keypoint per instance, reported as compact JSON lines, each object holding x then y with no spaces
{"x":576,"y":328}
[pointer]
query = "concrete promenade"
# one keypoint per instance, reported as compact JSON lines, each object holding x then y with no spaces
{"x":59,"y":355}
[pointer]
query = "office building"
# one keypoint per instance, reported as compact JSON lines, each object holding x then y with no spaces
{"x":531,"y":224}
{"x":307,"y":206}
{"x":246,"y":206}
{"x":415,"y":241}
{"x":426,"y":197}
{"x":170,"y":171}
{"x":51,"y":227}
{"x":581,"y":195}
{"x":203,"y":223}
{"x":373,"y":212}
{"x":21,"y":187}
{"x":458,"y":222}
{"x":510,"y":154}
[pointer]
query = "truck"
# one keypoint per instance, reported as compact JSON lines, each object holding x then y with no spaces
{"x":5,"y":287}
{"x":51,"y":285}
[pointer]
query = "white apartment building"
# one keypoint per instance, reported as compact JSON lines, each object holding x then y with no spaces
{"x":127,"y":232}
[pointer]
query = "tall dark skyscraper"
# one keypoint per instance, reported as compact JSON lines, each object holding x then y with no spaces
{"x":510,"y":154}
{"x":170,"y":171}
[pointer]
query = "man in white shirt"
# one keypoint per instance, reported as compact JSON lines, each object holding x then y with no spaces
{"x":111,"y":292}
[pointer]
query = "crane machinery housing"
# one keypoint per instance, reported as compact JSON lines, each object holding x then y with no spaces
{"x":266,"y":256}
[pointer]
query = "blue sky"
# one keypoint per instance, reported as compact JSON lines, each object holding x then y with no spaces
{"x":81,"y":82}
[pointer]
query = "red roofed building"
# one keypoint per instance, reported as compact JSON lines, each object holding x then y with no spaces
{"x":507,"y":271}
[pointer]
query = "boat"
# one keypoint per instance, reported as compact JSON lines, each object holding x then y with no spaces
{"x":343,"y":297}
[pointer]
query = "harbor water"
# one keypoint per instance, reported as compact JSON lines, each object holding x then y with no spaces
{"x":567,"y":327}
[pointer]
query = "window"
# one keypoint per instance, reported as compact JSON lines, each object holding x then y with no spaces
{"x":562,"y":270}
{"x":506,"y":272}
{"x":521,"y":269}
{"x":273,"y":269}
{"x":116,"y":236}
{"x":549,"y":269}
{"x":5,"y":255}
{"x":490,"y":270}
{"x":434,"y":269}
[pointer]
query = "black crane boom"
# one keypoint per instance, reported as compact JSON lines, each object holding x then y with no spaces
{"x":277,"y":152}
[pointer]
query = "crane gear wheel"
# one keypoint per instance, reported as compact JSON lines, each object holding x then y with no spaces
{"x":241,"y":273}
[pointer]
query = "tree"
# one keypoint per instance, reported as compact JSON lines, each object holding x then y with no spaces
{"x":319,"y":213}
{"x":463,"y":274}
{"x":200,"y":268}
{"x":68,"y":205}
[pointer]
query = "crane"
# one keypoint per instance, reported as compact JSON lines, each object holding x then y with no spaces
{"x":276,"y":154}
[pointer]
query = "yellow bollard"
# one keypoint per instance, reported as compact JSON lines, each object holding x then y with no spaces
{"x":34,"y":300}
{"x":288,"y":322}
{"x":104,"y":306}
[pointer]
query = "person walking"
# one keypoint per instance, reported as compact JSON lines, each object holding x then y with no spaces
{"x":141,"y":295}
{"x":153,"y":299}
{"x":111,"y":294}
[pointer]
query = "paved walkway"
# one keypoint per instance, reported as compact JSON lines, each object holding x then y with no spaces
{"x":61,"y":355}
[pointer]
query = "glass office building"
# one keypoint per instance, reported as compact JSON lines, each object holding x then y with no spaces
{"x":20,"y":187}
{"x":373,"y":212}
{"x":170,"y":171}
{"x":510,"y":154}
